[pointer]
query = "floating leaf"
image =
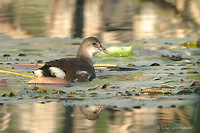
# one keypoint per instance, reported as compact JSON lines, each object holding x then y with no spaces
{"x":35,"y":88}
{"x":117,"y":51}
{"x":151,"y":91}
{"x":49,"y":81}
{"x":131,"y":65}
{"x":168,"y":93}
{"x":11,"y":94}
{"x":24,"y":66}
{"x":122,"y":68}
{"x":184,"y":91}
{"x":182,"y":80}
{"x":6,"y":55}
{"x":186,"y":68}
{"x":105,"y":86}
{"x":58,"y":92}
{"x":92,"y":89}
{"x":41,"y":90}
{"x":155,"y":64}
{"x":173,"y":57}
{"x":191,"y":44}
{"x":166,"y":86}
{"x":3,"y":83}
{"x":93,"y":94}
{"x":192,"y":72}
{"x":21,"y":54}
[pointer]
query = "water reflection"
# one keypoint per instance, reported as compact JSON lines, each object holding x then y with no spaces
{"x":54,"y":117}
{"x":110,"y":20}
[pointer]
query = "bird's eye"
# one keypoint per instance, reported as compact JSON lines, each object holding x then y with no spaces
{"x":94,"y":44}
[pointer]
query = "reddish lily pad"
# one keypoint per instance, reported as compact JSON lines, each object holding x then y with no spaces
{"x":166,"y":86}
{"x":3,"y":83}
{"x":49,"y":81}
{"x":25,"y":66}
{"x":151,"y":91}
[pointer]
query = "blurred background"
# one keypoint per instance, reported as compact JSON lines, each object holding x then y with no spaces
{"x":112,"y":21}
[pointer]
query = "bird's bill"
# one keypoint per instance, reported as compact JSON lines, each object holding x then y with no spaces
{"x":103,"y":50}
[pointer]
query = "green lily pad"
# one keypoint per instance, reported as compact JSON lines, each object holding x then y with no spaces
{"x":191,"y":44}
{"x":117,"y":51}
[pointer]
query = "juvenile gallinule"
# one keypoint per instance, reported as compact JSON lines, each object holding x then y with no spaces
{"x":74,"y":69}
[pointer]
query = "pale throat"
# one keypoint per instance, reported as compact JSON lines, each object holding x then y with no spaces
{"x":86,"y":55}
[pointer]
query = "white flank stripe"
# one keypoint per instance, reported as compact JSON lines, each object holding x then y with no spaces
{"x":82,"y":72}
{"x":38,"y":73}
{"x":59,"y":73}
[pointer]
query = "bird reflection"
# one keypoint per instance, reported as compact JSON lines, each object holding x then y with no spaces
{"x":91,"y":112}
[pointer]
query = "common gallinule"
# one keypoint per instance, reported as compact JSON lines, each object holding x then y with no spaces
{"x":74,"y":69}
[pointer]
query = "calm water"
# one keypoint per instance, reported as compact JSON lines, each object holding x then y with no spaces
{"x":55,"y":118}
{"x":112,"y":21}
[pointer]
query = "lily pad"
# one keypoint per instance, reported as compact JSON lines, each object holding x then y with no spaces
{"x":191,"y":44}
{"x":3,"y":83}
{"x":49,"y":81}
{"x":117,"y":51}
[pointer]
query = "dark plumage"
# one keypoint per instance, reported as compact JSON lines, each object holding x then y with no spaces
{"x":74,"y":69}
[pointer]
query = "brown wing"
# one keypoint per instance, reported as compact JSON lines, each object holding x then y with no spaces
{"x":71,"y":66}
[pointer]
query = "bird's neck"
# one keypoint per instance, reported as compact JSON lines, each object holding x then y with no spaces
{"x":84,"y":56}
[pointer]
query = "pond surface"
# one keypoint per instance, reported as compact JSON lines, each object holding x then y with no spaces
{"x":146,"y":92}
{"x":155,"y":89}
{"x":54,"y":117}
